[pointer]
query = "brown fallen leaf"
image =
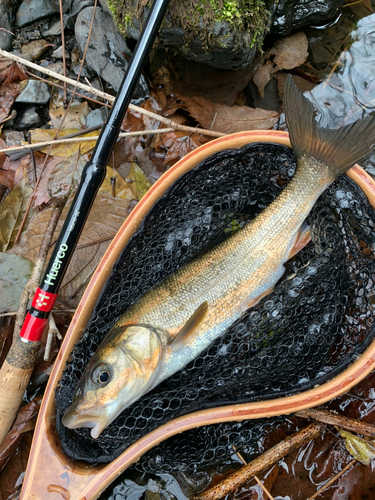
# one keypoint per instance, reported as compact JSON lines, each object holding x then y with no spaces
{"x":11,"y":477}
{"x":228,"y":119}
{"x":303,"y":84}
{"x":25,"y":422}
{"x":263,"y":76}
{"x":8,"y":94}
{"x":190,"y":78}
{"x":7,"y":178}
{"x":290,"y":51}
{"x":175,"y":145}
{"x":105,"y":218}
{"x":12,"y":212}
{"x":11,"y":72}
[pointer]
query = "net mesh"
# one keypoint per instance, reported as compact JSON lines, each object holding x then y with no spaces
{"x":317,"y":320}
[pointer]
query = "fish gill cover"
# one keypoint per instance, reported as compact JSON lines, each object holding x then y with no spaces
{"x":316,"y":321}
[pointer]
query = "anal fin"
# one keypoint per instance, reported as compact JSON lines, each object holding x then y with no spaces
{"x":190,"y":326}
{"x":302,"y":239}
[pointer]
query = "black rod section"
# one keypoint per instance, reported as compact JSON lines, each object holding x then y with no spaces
{"x":94,"y":171}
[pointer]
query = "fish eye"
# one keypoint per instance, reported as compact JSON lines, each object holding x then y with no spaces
{"x":101,"y":375}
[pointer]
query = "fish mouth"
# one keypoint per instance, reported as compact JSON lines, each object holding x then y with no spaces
{"x":75,"y":420}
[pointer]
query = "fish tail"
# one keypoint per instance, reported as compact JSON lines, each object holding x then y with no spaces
{"x":339,"y":149}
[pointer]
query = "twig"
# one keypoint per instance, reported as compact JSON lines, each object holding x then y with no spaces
{"x":328,"y":417}
{"x":53,"y":331}
{"x":110,"y":98}
{"x":39,"y":145}
{"x":240,"y":456}
{"x":353,"y":3}
{"x":63,"y":47}
{"x":334,"y":479}
{"x":36,"y":275}
{"x":268,"y":458}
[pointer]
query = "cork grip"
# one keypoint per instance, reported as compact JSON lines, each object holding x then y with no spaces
{"x":14,"y":377}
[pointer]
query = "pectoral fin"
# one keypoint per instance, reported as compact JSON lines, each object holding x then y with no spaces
{"x":302,"y":239}
{"x":190,"y":327}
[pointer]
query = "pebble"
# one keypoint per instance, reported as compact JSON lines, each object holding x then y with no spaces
{"x":55,"y":5}
{"x":14,"y":138}
{"x":97,"y":117}
{"x":30,"y":117}
{"x":32,"y":10}
{"x":35,"y":92}
{"x":58,"y":53}
{"x":35,"y":49}
{"x":106,"y":49}
{"x":54,"y":29}
{"x":7,"y":23}
{"x":57,"y":67}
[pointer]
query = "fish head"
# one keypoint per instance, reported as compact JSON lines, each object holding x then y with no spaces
{"x":125,"y":366}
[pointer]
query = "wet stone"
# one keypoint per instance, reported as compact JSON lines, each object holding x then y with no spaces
{"x":291,"y":15}
{"x":58,"y":53}
{"x":57,"y":67}
{"x":54,"y":29}
{"x":35,"y":49}
{"x":35,"y":92}
{"x":97,"y":117}
{"x":105,"y":52}
{"x":7,"y":23}
{"x":30,"y":117}
{"x":32,"y":10}
{"x":55,"y":5}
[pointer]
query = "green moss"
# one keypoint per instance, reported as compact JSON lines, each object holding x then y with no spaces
{"x":249,"y":15}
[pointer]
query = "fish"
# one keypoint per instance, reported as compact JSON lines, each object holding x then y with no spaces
{"x":178,"y":318}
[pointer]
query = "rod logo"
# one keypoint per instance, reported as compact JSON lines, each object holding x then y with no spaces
{"x":52,"y":275}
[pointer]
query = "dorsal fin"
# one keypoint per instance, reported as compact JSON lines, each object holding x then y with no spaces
{"x":190,"y":326}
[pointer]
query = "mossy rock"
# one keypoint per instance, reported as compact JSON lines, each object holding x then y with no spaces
{"x":221,"y":33}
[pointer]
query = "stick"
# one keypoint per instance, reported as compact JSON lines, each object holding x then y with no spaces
{"x":334,"y":479}
{"x":110,"y":98}
{"x":273,"y":455}
{"x":328,"y":417}
{"x":39,"y":145}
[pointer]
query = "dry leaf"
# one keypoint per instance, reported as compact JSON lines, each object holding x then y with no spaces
{"x":65,"y":176}
{"x":263,"y":76}
{"x":8,"y":94}
{"x":290,"y":51}
{"x":15,"y":272}
{"x":12,"y":211}
{"x":11,"y":72}
{"x":227,"y":119}
{"x":25,"y":422}
{"x":361,"y":449}
{"x":62,"y":150}
{"x":175,"y":145}
{"x":11,"y":477}
{"x":195,"y":79}
{"x":76,"y":116}
{"x":106,"y":216}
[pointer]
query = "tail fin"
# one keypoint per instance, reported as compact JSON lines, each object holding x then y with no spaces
{"x":340,"y":148}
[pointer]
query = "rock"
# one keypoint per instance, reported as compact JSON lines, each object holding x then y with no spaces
{"x":7,"y":23}
{"x":57,"y":67}
{"x":54,"y":29}
{"x":35,"y":92}
{"x":58,"y":53}
{"x":30,"y":117}
{"x":78,"y":5}
{"x":14,"y":138}
{"x":230,"y":50}
{"x":290,"y":15}
{"x":106,"y":48}
{"x":97,"y":117}
{"x":31,"y":10}
{"x":35,"y":49}
{"x":55,"y":5}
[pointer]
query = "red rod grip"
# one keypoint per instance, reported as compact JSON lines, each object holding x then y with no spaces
{"x":32,"y":329}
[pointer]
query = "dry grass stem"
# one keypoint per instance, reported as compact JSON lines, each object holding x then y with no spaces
{"x":39,"y":145}
{"x":328,"y":417}
{"x":110,"y":98}
{"x":264,"y":488}
{"x":334,"y":479}
{"x":53,"y":331}
{"x":270,"y":457}
{"x":63,"y":46}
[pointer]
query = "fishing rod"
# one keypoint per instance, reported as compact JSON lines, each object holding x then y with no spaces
{"x":18,"y":366}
